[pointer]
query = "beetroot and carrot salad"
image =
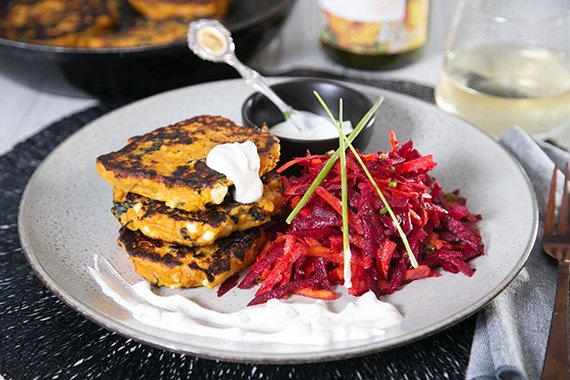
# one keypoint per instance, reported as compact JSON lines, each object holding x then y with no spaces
{"x":307,"y":258}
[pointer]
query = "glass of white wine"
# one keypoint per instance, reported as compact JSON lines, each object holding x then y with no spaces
{"x":507,"y":63}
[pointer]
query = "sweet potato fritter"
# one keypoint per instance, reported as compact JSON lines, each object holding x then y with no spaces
{"x":58,"y":22}
{"x":144,"y":32}
{"x":176,"y":266}
{"x":169,"y":163}
{"x":155,"y":220}
{"x":168,"y":9}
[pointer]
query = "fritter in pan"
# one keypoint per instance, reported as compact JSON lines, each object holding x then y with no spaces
{"x":155,"y":220}
{"x":95,"y":23}
{"x":169,"y":164}
{"x":187,"y":9}
{"x":58,"y":22}
{"x":176,"y":266}
{"x":144,"y":32}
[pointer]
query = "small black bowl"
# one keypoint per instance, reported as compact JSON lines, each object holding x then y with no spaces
{"x":257,"y":110}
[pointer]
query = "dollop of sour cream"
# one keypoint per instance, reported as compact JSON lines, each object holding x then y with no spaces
{"x":305,"y":125}
{"x":273,"y":322}
{"x":240,"y":163}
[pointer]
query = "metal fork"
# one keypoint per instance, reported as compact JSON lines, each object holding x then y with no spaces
{"x":557,"y":245}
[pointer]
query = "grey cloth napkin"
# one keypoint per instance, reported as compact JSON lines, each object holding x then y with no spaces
{"x":512,"y":331}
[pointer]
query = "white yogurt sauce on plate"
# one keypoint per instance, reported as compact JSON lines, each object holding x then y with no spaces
{"x":313,"y":127}
{"x":276,"y":321}
{"x":240,"y":163}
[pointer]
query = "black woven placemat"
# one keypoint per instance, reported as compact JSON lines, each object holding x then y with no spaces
{"x":43,"y":338}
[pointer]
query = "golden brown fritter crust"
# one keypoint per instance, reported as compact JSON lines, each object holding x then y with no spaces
{"x":144,"y":32}
{"x":176,"y":266}
{"x":169,"y":164}
{"x":187,"y":9}
{"x":157,"y":221}
{"x":58,"y":22}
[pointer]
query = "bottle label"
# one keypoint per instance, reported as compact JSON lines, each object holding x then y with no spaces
{"x":375,"y":27}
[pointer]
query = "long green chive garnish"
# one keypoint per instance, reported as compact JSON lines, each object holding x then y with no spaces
{"x":344,"y":200}
{"x":328,"y":166}
{"x":413,"y":260}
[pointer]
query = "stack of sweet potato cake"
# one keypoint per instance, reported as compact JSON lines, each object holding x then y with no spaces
{"x":181,"y":226}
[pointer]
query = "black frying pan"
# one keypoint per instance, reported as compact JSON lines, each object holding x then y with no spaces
{"x":134,"y":72}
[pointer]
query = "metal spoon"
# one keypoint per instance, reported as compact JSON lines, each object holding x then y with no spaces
{"x":211,"y":41}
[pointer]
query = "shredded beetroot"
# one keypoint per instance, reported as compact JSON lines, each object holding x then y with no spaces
{"x":228,"y":284}
{"x":307,"y":259}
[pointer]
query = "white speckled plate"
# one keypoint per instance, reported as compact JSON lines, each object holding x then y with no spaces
{"x":65,"y":220}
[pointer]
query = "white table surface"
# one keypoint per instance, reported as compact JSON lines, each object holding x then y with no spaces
{"x":24,"y":111}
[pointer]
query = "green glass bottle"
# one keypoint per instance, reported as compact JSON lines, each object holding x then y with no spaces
{"x":374,"y":34}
